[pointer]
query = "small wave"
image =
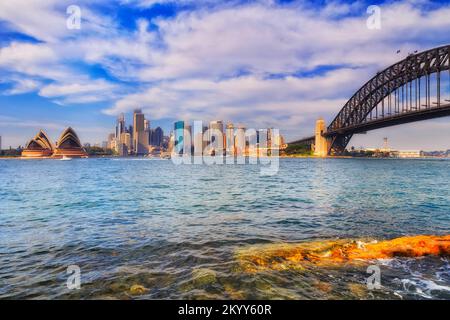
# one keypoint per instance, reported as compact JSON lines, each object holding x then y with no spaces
{"x":424,"y":288}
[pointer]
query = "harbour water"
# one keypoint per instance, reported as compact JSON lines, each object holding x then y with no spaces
{"x":175,"y":231}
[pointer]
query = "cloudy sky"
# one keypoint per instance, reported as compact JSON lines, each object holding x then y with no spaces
{"x":264,"y":63}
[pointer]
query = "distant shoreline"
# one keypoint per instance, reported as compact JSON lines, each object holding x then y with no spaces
{"x":280,"y":157}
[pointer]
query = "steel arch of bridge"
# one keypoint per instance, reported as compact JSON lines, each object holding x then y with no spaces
{"x":393,"y":96}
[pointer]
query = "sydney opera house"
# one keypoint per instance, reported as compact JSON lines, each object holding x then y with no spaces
{"x":68,"y":145}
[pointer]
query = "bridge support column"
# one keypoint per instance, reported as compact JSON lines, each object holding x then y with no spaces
{"x":321,"y":144}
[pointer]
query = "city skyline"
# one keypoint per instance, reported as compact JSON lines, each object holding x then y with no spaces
{"x":164,"y":57}
{"x":141,"y":139}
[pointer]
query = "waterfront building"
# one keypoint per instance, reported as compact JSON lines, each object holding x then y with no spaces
{"x":179,"y":137}
{"x":125,"y":144}
{"x":281,"y":142}
{"x":131,"y":148}
{"x":69,"y":145}
{"x":38,"y":147}
{"x":140,"y":137}
{"x":156,"y":137}
{"x":229,"y":140}
{"x":151,"y":132}
{"x":147,"y":132}
{"x":216,"y":131}
{"x":240,"y":142}
{"x":188,"y":140}
{"x":407,"y":154}
{"x":165,"y":142}
{"x":171,"y":143}
{"x":120,"y":126}
{"x":111,"y":141}
{"x":197,"y":138}
{"x":205,"y":138}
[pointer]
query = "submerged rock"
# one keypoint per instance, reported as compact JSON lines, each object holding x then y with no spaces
{"x":324,"y":287}
{"x":232,"y":292}
{"x":357,"y":290}
{"x":137,"y":290}
{"x":202,"y":277}
{"x":333,"y":253}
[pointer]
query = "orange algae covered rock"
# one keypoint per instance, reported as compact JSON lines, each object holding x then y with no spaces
{"x":332,"y":253}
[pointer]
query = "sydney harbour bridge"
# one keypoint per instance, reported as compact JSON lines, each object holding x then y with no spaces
{"x":416,"y":88}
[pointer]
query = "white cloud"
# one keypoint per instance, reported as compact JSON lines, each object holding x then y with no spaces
{"x":245,"y":62}
{"x":197,"y":71}
{"x":50,"y":60}
{"x":46,"y":20}
{"x":74,"y":93}
{"x":22,"y":86}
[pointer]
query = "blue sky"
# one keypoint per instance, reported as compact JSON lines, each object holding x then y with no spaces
{"x":262,"y":63}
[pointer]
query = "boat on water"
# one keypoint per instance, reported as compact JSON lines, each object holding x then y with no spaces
{"x":65,"y":158}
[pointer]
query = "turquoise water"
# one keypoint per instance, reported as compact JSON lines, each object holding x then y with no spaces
{"x":175,"y":229}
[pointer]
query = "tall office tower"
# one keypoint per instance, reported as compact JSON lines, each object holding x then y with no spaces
{"x":229,"y":140}
{"x":240,"y":141}
{"x":171,"y":142}
{"x":140,"y":137}
{"x":125,"y":144}
{"x":269,"y":138}
{"x":165,"y":142}
{"x":0,"y":143}
{"x":147,"y":131}
{"x":281,"y":142}
{"x":188,"y":139}
{"x":120,"y":126}
{"x":216,"y":128}
{"x":157,"y":137}
{"x":179,"y":137}
{"x":111,"y":141}
{"x":197,"y":139}
{"x":205,"y":138}
{"x":151,"y":133}
{"x":128,"y":141}
{"x":130,"y":131}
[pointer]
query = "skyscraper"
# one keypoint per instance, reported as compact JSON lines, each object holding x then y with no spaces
{"x":125,"y":144}
{"x":171,"y":143}
{"x":206,"y":138}
{"x":240,"y":141}
{"x":188,"y":140}
{"x":112,"y":141}
{"x":130,"y":131}
{"x":120,"y":126}
{"x":229,"y":140}
{"x":179,"y":137}
{"x":216,"y":130}
{"x":156,"y":137}
{"x":147,"y":133}
{"x":197,"y":138}
{"x":140,"y":137}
